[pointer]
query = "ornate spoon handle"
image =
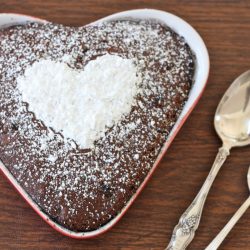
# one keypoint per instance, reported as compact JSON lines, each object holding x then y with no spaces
{"x":184,"y":231}
{"x":225,"y":231}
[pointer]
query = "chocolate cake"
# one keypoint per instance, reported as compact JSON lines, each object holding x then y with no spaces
{"x":83,"y":186}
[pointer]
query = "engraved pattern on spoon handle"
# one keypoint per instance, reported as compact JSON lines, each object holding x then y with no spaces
{"x":184,"y":231}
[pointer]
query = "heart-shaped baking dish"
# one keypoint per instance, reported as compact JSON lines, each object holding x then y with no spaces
{"x":200,"y":78}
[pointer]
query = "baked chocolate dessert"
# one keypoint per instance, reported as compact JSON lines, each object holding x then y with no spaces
{"x":82,"y":184}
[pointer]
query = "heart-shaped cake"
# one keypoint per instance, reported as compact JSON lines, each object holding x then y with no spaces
{"x":84,"y":112}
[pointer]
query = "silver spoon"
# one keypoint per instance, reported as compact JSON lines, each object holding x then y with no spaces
{"x":225,"y":231}
{"x":232,"y":124}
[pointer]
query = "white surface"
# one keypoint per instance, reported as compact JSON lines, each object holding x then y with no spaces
{"x":201,"y":75}
{"x":86,"y":101}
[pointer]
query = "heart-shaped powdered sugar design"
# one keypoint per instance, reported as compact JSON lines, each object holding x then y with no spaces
{"x":80,"y":104}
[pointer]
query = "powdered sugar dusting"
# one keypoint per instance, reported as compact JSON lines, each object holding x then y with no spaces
{"x":83,"y":189}
{"x":80,"y":104}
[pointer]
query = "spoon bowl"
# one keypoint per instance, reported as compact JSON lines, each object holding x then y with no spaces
{"x":232,"y":117}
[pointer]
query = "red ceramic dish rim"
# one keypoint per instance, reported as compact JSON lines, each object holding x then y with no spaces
{"x":202,"y":61}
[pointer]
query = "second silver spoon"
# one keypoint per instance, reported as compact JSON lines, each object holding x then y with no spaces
{"x":225,"y":231}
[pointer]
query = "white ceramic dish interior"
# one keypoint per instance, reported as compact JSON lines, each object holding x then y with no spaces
{"x":200,"y":79}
